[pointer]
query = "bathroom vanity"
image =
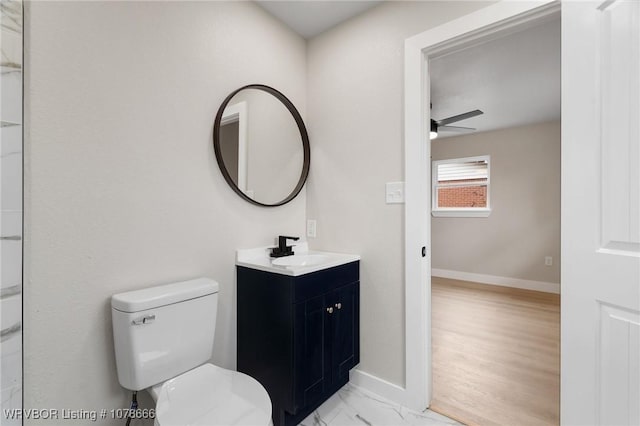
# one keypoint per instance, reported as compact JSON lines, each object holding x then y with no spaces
{"x":298,"y":326}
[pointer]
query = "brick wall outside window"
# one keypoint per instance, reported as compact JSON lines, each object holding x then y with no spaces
{"x":462,"y":196}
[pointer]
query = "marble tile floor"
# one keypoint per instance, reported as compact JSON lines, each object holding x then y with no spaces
{"x":353,"y":406}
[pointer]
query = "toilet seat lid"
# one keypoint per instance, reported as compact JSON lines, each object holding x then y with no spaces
{"x":210,"y":395}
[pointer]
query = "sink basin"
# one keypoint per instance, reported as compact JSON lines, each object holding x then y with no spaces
{"x":301,"y":260}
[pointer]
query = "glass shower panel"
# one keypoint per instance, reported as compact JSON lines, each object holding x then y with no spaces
{"x":11,"y":16}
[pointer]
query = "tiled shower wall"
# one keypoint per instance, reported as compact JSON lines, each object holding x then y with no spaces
{"x":11,"y":209}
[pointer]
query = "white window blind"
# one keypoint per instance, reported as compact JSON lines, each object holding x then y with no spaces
{"x":463,"y":171}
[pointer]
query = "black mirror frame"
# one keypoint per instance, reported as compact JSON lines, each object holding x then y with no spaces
{"x":303,"y":134}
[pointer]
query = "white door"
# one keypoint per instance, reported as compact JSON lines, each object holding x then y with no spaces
{"x":600,"y":352}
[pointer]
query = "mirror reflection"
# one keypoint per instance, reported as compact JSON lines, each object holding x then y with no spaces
{"x":261,"y":146}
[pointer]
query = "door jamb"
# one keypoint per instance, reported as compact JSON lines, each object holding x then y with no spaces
{"x":238,"y":113}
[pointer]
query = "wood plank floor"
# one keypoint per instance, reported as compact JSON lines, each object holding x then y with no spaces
{"x":496,"y":354}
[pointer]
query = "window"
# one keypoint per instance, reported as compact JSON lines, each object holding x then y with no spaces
{"x":461,"y":187}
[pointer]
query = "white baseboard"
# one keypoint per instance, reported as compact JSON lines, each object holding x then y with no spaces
{"x":377,"y":385}
{"x":495,"y":280}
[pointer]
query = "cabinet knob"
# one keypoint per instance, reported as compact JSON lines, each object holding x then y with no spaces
{"x":339,"y":305}
{"x":330,"y":309}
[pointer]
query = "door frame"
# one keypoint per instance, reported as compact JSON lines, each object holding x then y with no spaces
{"x":492,"y":22}
{"x":238,"y":113}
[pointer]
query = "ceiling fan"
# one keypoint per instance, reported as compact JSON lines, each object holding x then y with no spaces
{"x":443,"y":125}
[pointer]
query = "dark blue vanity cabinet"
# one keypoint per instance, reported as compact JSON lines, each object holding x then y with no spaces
{"x":298,"y":335}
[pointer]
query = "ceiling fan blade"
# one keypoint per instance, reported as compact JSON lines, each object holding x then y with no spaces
{"x":456,"y":129}
{"x":460,"y":117}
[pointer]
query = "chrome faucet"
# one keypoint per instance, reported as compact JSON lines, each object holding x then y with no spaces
{"x":283,"y":249}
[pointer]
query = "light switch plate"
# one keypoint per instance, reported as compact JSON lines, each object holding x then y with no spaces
{"x":395,"y":192}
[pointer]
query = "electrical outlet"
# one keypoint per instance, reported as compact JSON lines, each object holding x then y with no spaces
{"x":548,"y":260}
{"x":311,"y":228}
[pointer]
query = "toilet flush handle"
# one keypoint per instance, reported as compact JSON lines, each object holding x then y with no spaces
{"x":147,"y":319}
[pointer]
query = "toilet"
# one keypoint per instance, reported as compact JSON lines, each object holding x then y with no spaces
{"x":163,"y":340}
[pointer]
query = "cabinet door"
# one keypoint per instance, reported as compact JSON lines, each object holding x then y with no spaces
{"x":311,"y":360}
{"x":345,"y":338}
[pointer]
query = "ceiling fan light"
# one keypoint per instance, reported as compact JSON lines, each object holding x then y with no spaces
{"x":434,"y":130}
{"x":433,"y":135}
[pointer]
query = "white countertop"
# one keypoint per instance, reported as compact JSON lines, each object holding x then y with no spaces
{"x":258,"y":258}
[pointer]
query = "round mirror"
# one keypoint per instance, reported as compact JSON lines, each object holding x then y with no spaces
{"x":261,"y":145}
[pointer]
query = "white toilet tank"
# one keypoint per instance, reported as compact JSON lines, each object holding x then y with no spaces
{"x":161,"y":332}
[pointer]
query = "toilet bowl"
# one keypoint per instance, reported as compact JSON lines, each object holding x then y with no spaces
{"x":163,"y":339}
{"x":210,"y":395}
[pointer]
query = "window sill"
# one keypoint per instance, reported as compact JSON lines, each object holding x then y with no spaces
{"x":461,"y":213}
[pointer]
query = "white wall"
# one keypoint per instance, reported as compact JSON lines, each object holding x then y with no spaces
{"x":275,"y":154}
{"x":355,"y":105}
{"x":524,"y":224}
{"x":122,"y":187}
